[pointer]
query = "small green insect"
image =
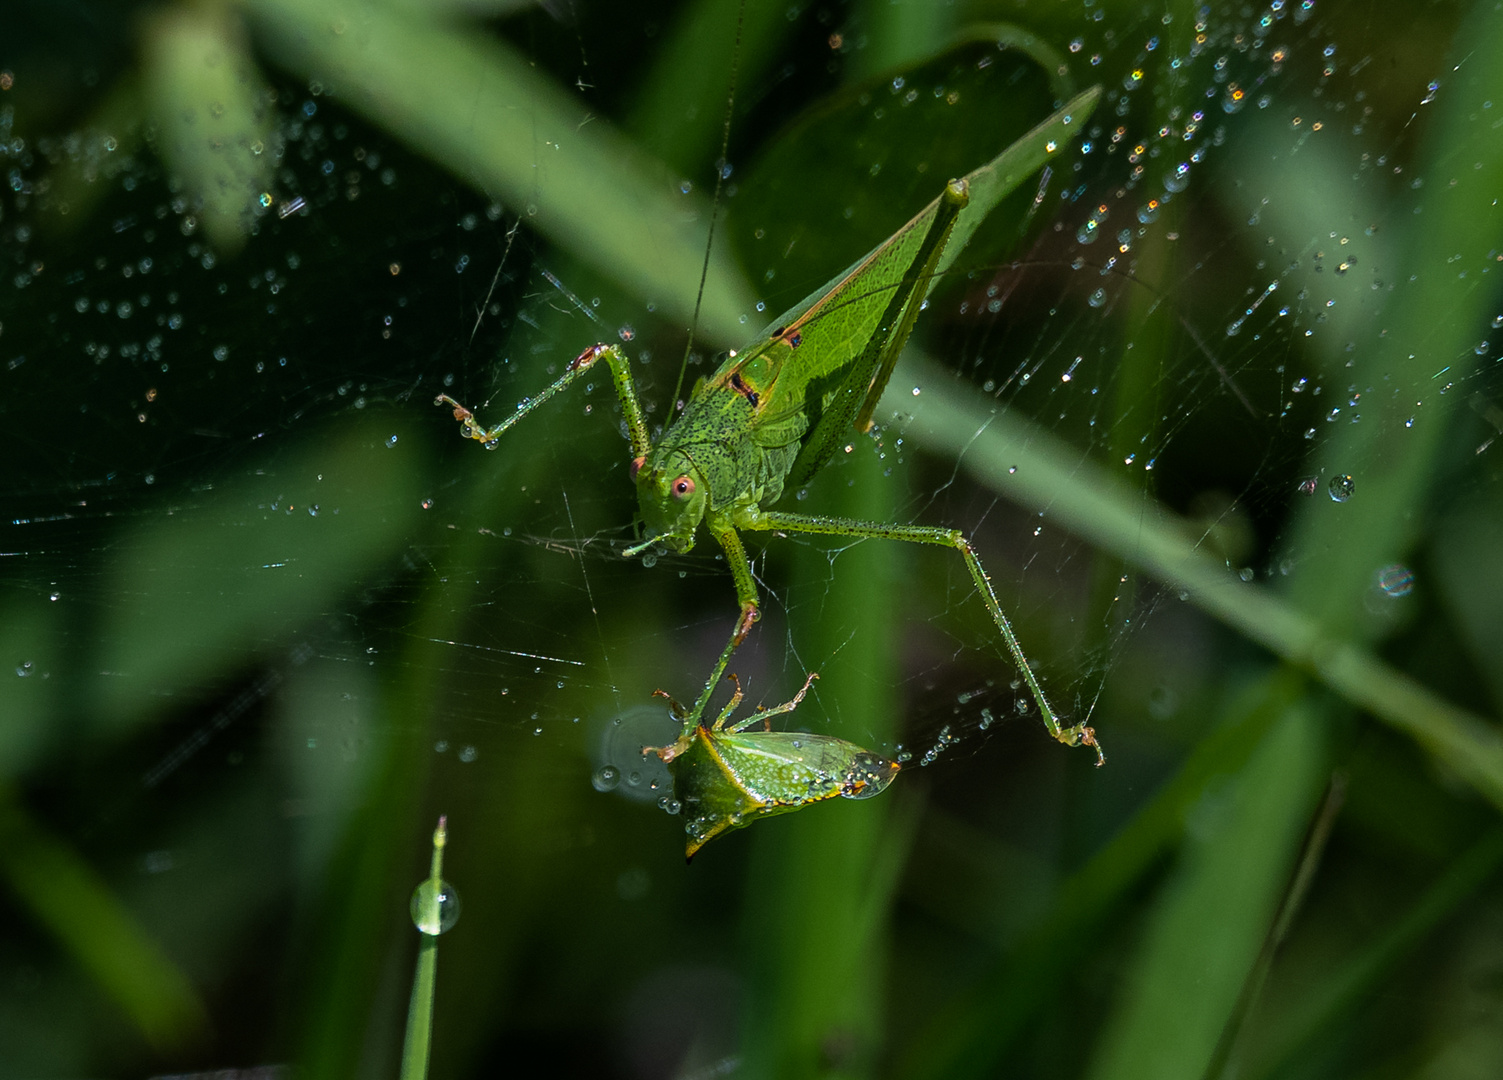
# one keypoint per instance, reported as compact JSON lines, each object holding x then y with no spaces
{"x":775,"y":413}
{"x":727,"y":777}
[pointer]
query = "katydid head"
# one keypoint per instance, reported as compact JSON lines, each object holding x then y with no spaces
{"x":672,"y":496}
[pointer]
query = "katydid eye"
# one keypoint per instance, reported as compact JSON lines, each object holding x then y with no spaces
{"x":683,"y":487}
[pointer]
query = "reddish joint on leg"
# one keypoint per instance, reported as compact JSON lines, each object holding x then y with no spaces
{"x":586,"y":358}
{"x":749,"y":615}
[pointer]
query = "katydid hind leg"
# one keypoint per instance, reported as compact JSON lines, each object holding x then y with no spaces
{"x":1075,"y":735}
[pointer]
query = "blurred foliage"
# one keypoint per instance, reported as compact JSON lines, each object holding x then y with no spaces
{"x":267,"y":617}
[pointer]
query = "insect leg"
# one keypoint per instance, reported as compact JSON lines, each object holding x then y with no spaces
{"x":626,"y":393}
{"x":746,"y":592}
{"x":763,"y":715}
{"x":746,"y":587}
{"x":731,"y":706}
{"x":1079,"y":734}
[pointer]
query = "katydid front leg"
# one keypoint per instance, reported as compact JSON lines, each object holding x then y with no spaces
{"x":626,"y":393}
{"x":673,"y":503}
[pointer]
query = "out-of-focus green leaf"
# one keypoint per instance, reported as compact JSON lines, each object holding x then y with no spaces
{"x":1036,"y":470}
{"x":1346,"y":984}
{"x":1433,"y":323}
{"x":62,"y":892}
{"x":674,"y":114}
{"x":981,"y":1023}
{"x":213,"y":116}
{"x":210,"y":582}
{"x":824,"y":192}
{"x":1470,"y":578}
{"x":1206,"y":928}
{"x":484,"y":112}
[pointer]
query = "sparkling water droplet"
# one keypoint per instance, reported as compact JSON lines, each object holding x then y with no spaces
{"x":1396,"y":580}
{"x":434,"y":907}
{"x":606,"y":777}
{"x":1341,"y":488}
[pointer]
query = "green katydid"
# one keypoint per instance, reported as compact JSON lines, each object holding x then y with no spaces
{"x":774,"y":414}
{"x":727,"y":777}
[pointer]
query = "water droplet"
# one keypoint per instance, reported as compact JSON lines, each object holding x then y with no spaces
{"x":606,"y":777}
{"x":1341,"y":488}
{"x":1097,"y":298}
{"x":1396,"y":580}
{"x":1307,"y":485}
{"x":1246,"y":573}
{"x":434,"y":907}
{"x":1090,"y":229}
{"x":468,"y":754}
{"x":1162,"y":703}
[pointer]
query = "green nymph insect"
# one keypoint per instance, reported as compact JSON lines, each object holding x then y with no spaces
{"x":775,"y":413}
{"x":725,"y":777}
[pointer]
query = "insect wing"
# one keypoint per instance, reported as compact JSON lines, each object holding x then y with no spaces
{"x":842,"y":340}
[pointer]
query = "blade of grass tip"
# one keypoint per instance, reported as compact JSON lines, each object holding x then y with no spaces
{"x":435,"y":909}
{"x":64,"y":894}
{"x":1036,"y":470}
